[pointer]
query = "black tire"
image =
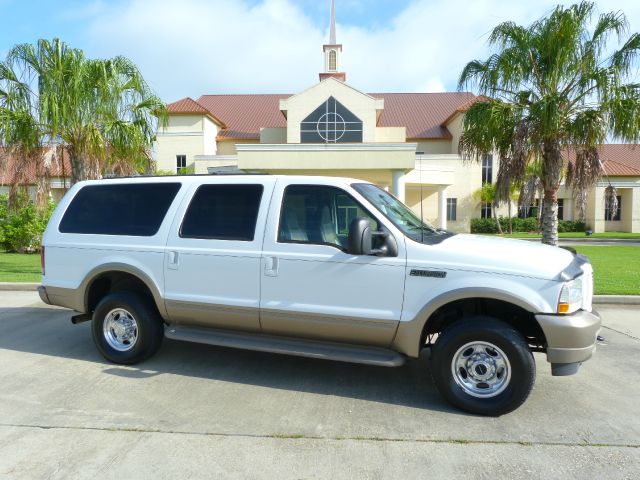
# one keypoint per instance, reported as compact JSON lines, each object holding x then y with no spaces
{"x":150,"y":329}
{"x":485,"y":329}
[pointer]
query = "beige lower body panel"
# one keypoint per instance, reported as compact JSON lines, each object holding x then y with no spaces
{"x":328,"y":327}
{"x":217,"y":316}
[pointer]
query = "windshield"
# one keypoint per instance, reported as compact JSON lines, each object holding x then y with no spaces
{"x":400,"y":215}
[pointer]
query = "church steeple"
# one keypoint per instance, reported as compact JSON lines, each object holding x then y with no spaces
{"x":332,"y":51}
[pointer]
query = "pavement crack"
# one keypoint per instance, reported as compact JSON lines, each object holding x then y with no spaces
{"x":285,"y":436}
{"x":621,"y":333}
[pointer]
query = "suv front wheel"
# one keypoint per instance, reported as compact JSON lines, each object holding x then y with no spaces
{"x":126,"y":328}
{"x":482,"y":365}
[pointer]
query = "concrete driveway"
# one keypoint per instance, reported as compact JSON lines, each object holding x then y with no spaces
{"x":196,"y":411}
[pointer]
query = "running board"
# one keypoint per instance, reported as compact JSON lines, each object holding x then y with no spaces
{"x":288,"y":346}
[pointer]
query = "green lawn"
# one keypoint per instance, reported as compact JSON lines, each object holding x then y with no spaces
{"x":571,"y":235}
{"x":616,"y":268}
{"x":19,"y":267}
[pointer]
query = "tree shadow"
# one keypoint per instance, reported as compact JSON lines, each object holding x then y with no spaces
{"x":48,"y":331}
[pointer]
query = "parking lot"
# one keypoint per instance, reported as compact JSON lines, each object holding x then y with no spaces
{"x":198,"y":411}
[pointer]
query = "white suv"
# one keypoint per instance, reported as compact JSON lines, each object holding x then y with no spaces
{"x":323,"y":267}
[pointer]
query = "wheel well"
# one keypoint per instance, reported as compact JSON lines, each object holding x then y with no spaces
{"x":115,"y":281}
{"x":517,"y":317}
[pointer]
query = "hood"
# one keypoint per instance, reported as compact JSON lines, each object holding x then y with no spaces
{"x":495,"y":255}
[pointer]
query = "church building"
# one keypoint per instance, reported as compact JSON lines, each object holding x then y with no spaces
{"x":405,"y":142}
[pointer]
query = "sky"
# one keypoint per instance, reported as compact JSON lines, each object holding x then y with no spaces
{"x":195,"y":47}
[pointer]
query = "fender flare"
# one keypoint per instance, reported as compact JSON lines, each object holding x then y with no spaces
{"x":408,"y":335}
{"x":123,"y":268}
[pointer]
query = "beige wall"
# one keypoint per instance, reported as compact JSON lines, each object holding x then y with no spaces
{"x":188,"y":135}
{"x":228,"y":147}
{"x":273,"y":135}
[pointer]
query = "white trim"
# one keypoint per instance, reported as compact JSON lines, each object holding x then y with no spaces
{"x":321,"y":147}
{"x":180,"y":134}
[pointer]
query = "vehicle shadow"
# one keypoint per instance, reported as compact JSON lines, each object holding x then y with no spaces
{"x":48,"y":331}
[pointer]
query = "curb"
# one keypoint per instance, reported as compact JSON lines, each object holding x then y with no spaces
{"x":18,"y":287}
{"x":597,"y":299}
{"x":616,"y":299}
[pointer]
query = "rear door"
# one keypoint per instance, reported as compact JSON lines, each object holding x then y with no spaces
{"x":212,"y":260}
{"x":311,"y":286}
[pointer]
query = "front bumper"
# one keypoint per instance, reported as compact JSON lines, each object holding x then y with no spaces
{"x":571,"y":339}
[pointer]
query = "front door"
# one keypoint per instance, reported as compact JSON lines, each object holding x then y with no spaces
{"x":311,"y":287}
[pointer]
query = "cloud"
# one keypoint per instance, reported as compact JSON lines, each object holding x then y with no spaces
{"x":192,"y":47}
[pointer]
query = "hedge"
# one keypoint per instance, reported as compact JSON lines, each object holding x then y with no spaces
{"x":488,"y":225}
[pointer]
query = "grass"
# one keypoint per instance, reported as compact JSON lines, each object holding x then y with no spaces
{"x":19,"y":267}
{"x":616,"y":268}
{"x":571,"y":235}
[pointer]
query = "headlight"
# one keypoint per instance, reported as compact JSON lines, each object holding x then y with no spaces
{"x":570,"y":296}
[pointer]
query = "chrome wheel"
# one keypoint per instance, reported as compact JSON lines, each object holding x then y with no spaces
{"x":120,"y":330}
{"x":481,"y":369}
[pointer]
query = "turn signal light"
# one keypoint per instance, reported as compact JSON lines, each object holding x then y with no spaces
{"x":563,"y":308}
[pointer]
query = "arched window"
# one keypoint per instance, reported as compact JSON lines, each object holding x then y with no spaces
{"x":333,"y":61}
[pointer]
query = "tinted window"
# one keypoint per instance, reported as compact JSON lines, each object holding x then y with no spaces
{"x":331,"y":122}
{"x":319,"y":215}
{"x":119,"y":209}
{"x":223,"y":212}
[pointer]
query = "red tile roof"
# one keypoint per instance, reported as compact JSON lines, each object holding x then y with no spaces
{"x":188,"y":105}
{"x":7,"y":169}
{"x":423,"y":114}
{"x":618,"y":159}
{"x":244,"y":115}
{"x":621,"y":160}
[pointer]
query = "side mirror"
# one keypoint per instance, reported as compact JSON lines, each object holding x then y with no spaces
{"x":361,"y":240}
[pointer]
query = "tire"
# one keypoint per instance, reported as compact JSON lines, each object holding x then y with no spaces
{"x":483,"y":366}
{"x":126,"y":328}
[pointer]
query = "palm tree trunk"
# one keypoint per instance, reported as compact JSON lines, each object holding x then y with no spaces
{"x":79,"y":170}
{"x":551,"y":174}
{"x":510,"y":223}
{"x":495,"y":215}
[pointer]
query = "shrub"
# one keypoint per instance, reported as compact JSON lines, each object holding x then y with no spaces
{"x":571,"y":226}
{"x":483,"y":225}
{"x":22,"y":226}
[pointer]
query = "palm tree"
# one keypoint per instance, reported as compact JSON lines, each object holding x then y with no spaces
{"x":553,"y":87}
{"x":101,"y":111}
{"x":487,"y":194}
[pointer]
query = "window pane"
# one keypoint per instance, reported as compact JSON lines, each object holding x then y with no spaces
{"x":487,"y":169}
{"x":452,"y":204}
{"x":561,"y":209}
{"x":119,"y":209}
{"x":331,"y":122}
{"x":318,"y":215}
{"x":223,"y":212}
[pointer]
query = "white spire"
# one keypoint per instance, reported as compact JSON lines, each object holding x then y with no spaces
{"x":332,"y":25}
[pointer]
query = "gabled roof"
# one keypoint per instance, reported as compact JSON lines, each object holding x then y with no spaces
{"x":188,"y":106}
{"x":244,"y":115}
{"x":423,"y":114}
{"x":621,"y":160}
{"x":618,"y":159}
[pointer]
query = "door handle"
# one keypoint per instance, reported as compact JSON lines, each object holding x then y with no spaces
{"x":173,"y":260}
{"x":271,"y":265}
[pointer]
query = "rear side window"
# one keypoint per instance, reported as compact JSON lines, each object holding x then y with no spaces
{"x":223,"y":212}
{"x":119,"y":209}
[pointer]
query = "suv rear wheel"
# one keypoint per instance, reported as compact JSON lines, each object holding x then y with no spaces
{"x":126,"y":328}
{"x":484,"y":366}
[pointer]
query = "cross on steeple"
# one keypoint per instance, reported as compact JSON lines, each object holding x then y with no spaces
{"x":332,"y":51}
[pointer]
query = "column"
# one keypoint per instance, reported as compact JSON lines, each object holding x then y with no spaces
{"x":398,"y":185}
{"x":442,"y":208}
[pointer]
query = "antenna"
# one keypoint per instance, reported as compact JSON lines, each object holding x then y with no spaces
{"x":420,"y":154}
